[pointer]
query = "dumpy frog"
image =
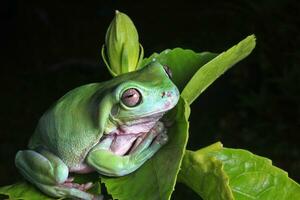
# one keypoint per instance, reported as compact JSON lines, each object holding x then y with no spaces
{"x":111,"y":127}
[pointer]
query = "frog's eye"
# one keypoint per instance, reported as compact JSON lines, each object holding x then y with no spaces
{"x":131,"y":97}
{"x":168,"y":71}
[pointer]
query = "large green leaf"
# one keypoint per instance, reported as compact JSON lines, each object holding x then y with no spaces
{"x":183,"y":63}
{"x":156,"y":179}
{"x":219,"y":173}
{"x":208,"y":73}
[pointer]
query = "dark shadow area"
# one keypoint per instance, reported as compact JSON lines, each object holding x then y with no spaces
{"x":50,"y":47}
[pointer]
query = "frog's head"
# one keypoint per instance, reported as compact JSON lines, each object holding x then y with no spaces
{"x":144,"y":93}
{"x":137,"y":101}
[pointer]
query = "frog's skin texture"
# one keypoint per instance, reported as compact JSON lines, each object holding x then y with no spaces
{"x":111,"y":127}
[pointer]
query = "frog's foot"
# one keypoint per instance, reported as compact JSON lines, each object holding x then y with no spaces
{"x":105,"y":157}
{"x":156,"y":136}
{"x":49,"y":174}
{"x":83,"y":187}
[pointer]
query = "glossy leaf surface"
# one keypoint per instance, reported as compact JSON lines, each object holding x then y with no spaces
{"x":218,"y":173}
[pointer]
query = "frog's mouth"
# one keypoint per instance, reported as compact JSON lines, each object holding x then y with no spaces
{"x":127,"y":136}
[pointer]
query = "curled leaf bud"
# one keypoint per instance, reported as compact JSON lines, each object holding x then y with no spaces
{"x":122,"y":52}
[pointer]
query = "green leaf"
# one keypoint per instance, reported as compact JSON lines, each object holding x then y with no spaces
{"x":222,"y":173}
{"x":122,"y":50}
{"x":208,"y":73}
{"x":156,"y":179}
{"x":205,"y":175}
{"x":23,"y":190}
{"x":183,"y":63}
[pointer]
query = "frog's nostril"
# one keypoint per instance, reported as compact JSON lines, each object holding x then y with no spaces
{"x":166,"y":94}
{"x":169,"y":94}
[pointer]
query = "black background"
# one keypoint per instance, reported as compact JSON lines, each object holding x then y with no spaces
{"x":50,"y":47}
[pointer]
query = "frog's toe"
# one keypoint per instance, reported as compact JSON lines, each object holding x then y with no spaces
{"x":69,"y":179}
{"x":82,"y":187}
{"x":158,"y":128}
{"x":162,"y":138}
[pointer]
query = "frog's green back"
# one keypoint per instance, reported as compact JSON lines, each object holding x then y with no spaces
{"x":67,"y":129}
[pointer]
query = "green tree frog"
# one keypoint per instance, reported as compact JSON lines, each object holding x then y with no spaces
{"x":111,"y":127}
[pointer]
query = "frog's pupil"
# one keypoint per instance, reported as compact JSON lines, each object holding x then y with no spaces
{"x":129,"y":96}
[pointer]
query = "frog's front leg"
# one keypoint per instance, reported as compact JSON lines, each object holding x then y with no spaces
{"x":106,"y":162}
{"x":48,"y":173}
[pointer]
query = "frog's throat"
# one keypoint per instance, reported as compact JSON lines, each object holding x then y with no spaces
{"x":131,"y":126}
{"x":125,"y":134}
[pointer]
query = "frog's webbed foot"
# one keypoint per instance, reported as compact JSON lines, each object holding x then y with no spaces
{"x":108,"y":163}
{"x":83,"y":187}
{"x":49,"y":174}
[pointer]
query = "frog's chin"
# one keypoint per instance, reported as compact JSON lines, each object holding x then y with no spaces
{"x":125,"y":136}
